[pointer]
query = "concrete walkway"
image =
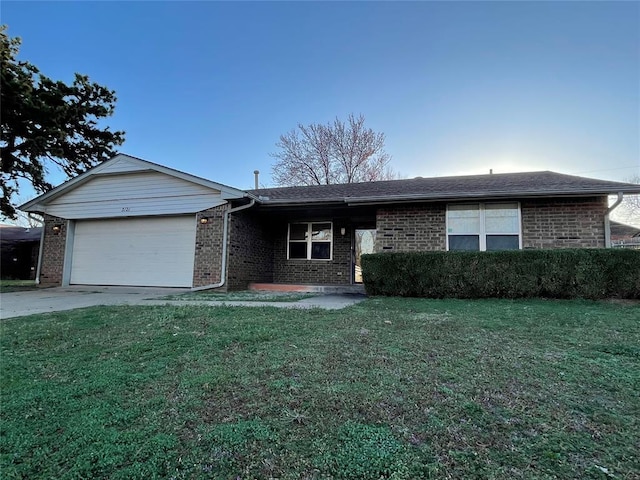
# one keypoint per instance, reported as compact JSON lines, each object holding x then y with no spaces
{"x":327,"y":302}
{"x":18,"y":304}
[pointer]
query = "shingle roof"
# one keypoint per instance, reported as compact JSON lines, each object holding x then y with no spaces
{"x":10,"y":234}
{"x":624,"y":230}
{"x":530,"y":184}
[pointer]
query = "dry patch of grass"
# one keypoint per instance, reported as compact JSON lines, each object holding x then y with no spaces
{"x":240,"y":296}
{"x":389,"y":388}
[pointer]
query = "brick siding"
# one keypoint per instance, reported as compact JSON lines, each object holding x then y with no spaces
{"x":208,"y":255}
{"x":546,"y":223}
{"x":258,"y":246}
{"x":53,"y":251}
{"x":412,"y":228}
{"x":309,"y":272}
{"x":250,"y":250}
{"x":563,"y":223}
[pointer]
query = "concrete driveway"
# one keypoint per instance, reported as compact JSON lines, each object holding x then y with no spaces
{"x":18,"y":304}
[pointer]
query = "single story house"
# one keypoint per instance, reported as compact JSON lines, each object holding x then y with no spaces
{"x":19,"y":248}
{"x":625,"y":236}
{"x":128,"y":221}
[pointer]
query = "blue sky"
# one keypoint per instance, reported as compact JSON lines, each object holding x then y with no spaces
{"x":457,"y":87}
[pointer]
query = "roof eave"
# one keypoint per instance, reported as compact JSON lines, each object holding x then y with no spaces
{"x":299,"y":203}
{"x":386,"y":199}
{"x":35,"y":208}
{"x":474,"y":196}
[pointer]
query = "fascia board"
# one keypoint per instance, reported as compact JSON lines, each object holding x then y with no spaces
{"x":488,"y":195}
{"x":381,"y":199}
{"x":299,"y":203}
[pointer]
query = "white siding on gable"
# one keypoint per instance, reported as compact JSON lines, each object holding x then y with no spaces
{"x":123,"y":164}
{"x":133,"y":194}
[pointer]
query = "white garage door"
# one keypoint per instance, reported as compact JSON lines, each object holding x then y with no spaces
{"x":155,"y":252}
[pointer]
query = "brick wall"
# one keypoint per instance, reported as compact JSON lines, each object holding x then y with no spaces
{"x":258,"y":247}
{"x":563,"y":223}
{"x":208,"y":254}
{"x":411,"y":228}
{"x":53,"y":251}
{"x":310,"y":272}
{"x":250,"y":250}
{"x":546,"y":223}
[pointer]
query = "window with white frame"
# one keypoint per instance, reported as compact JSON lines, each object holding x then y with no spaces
{"x":310,"y":241}
{"x":484,"y":226}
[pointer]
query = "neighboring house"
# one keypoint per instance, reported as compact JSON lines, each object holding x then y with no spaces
{"x":132,"y":222}
{"x":19,"y":252}
{"x":624,"y":236}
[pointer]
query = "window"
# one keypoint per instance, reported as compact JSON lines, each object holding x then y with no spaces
{"x":483,"y":226}
{"x":310,"y":241}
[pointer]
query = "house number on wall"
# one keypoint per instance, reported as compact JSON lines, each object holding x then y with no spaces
{"x":126,"y":209}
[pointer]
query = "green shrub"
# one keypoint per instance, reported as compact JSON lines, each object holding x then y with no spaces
{"x":562,"y":273}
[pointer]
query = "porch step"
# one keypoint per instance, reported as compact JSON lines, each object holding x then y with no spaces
{"x":287,"y":287}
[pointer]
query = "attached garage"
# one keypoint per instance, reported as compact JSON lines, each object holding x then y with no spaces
{"x":130,"y":222}
{"x":155,"y":252}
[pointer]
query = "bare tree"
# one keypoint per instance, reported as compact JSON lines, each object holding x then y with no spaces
{"x":629,"y":209}
{"x":338,"y":152}
{"x":632,"y":202}
{"x":23,"y":219}
{"x":29,"y":220}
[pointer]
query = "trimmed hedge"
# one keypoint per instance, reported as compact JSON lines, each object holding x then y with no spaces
{"x":562,"y":273}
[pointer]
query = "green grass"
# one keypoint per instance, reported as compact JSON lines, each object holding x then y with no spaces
{"x":7,"y":286}
{"x":388,"y":388}
{"x":242,"y":296}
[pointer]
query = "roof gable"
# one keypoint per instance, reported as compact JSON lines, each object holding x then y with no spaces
{"x":109,"y":188}
{"x":122,"y":165}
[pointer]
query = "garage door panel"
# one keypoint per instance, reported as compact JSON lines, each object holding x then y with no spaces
{"x":134,"y":251}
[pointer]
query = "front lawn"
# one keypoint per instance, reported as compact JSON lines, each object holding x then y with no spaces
{"x":240,"y":296}
{"x":17,"y":285}
{"x":389,"y":388}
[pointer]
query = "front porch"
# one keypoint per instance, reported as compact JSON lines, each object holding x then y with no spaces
{"x":300,"y":249}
